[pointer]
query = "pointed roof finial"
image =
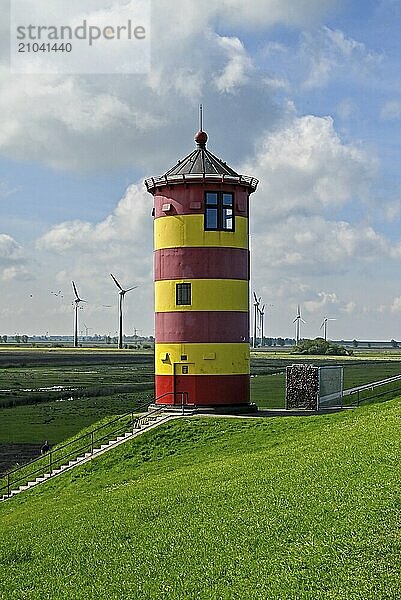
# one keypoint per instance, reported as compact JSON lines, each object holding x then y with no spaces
{"x":201,"y":137}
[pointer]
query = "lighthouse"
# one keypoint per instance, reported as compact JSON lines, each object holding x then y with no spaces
{"x":201,"y":273}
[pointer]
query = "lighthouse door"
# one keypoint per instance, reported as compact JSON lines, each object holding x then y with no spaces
{"x":182,"y":393}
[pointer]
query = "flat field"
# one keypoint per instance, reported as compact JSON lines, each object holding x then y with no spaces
{"x":219,"y":509}
{"x":53,"y":394}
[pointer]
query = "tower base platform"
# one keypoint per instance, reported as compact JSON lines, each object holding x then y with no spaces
{"x":219,"y":409}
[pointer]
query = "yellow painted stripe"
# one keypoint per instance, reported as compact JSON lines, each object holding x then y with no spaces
{"x":202,"y":359}
{"x":207,"y":294}
{"x":188,"y":230}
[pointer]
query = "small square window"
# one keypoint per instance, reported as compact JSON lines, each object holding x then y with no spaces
{"x":183,"y":294}
{"x":184,"y":357}
{"x":185,"y":370}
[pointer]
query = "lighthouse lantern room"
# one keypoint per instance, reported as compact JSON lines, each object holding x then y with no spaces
{"x":201,"y":268}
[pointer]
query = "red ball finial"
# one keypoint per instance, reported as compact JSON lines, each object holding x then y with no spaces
{"x":201,"y":138}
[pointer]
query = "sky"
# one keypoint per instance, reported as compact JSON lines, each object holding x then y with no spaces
{"x":304,"y":96}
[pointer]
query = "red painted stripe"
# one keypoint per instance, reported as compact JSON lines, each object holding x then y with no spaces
{"x":189,"y":200}
{"x":203,"y":390}
{"x":201,"y":263}
{"x":202,"y":327}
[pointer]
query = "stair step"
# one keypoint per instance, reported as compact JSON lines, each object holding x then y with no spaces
{"x":136,"y":429}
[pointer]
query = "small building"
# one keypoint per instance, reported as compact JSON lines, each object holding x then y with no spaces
{"x":201,"y":268}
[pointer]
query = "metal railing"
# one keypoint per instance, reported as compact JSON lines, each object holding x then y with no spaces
{"x":357,"y":395}
{"x":84,"y":445}
{"x":154,"y":182}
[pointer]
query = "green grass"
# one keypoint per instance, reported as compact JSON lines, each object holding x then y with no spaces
{"x":268,"y":391}
{"x":355,"y":375}
{"x":219,"y":509}
{"x":57,"y":421}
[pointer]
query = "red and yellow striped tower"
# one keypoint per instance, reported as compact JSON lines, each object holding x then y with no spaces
{"x":201,"y":230}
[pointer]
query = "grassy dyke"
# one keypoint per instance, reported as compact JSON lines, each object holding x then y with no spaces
{"x":219,"y":509}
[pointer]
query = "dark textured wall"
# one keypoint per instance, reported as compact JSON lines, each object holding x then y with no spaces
{"x":302,"y":387}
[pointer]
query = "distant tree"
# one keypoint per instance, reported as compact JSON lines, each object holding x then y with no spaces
{"x":320,"y":347}
{"x":280,"y":342}
{"x":355,"y":343}
{"x":17,"y":338}
{"x":108,"y":339}
{"x":269,"y":342}
{"x":394,"y":343}
{"x":4,"y":338}
{"x":24,"y":339}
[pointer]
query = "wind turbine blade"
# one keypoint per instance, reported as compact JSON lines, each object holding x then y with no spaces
{"x":74,"y":287}
{"x":322,"y":325}
{"x":304,"y":322}
{"x":256,"y":298}
{"x":116,"y":282}
{"x":133,"y":288}
{"x":295,"y":320}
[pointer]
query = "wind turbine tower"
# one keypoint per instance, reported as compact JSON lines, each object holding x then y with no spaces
{"x":324,"y":327}
{"x":122,"y":293}
{"x":256,"y":317}
{"x":298,"y":320}
{"x":77,"y":302}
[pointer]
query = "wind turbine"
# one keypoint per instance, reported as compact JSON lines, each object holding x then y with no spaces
{"x":298,"y":319}
{"x":77,"y":302}
{"x":324,"y":326}
{"x":122,"y":293}
{"x":262,"y":324}
{"x":262,"y":321}
{"x":256,"y":315}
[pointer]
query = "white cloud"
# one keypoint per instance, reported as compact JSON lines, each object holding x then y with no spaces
{"x":121,"y":241}
{"x":84,"y":122}
{"x":330,"y":52}
{"x":13,"y":260}
{"x":323,"y":300}
{"x":7,"y":190}
{"x":396,"y":305}
{"x":347,"y":108}
{"x":262,"y":13}
{"x":305,"y":168}
{"x":311,"y":245}
{"x":391,"y":110}
{"x":238,"y":68}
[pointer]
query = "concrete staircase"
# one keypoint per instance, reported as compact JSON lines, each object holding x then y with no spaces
{"x":145,"y":423}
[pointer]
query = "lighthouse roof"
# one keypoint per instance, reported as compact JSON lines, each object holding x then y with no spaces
{"x":200,"y":164}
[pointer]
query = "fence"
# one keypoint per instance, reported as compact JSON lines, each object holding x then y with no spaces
{"x":367,"y":393}
{"x":84,"y":444}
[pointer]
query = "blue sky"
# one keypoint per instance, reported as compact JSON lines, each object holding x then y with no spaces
{"x":305,"y":97}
